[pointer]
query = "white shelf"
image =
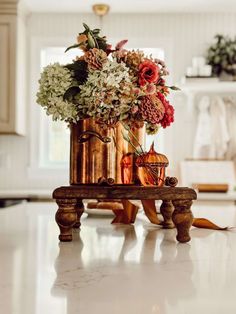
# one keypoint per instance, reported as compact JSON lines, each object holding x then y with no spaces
{"x":208,"y":87}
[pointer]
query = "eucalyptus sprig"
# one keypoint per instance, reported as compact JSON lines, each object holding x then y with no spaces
{"x":140,"y":148}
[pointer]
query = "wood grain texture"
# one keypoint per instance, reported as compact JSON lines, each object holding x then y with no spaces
{"x":66,"y":218}
{"x":79,"y":208}
{"x":124,"y":192}
{"x":69,"y":200}
{"x":166,"y":210}
{"x":183,"y":219}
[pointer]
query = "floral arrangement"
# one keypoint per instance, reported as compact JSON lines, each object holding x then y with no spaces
{"x":109,"y":85}
{"x":222,"y":55}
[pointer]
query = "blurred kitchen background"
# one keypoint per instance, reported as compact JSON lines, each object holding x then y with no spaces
{"x":200,"y":145}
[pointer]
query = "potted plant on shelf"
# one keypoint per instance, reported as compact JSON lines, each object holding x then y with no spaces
{"x":222,"y":57}
{"x":108,"y":97}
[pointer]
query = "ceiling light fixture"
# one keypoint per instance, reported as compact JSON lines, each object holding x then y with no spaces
{"x":100,"y":10}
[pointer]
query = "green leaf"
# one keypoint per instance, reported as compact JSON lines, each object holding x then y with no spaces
{"x":91,"y":41}
{"x":78,"y":65}
{"x":174,"y":88}
{"x":80,"y":69}
{"x":73,"y":46}
{"x":71,"y":92}
{"x":86,"y":27}
{"x":102,"y":44}
{"x":96,"y":31}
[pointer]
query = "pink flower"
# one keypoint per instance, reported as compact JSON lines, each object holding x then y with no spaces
{"x":151,"y":89}
{"x":148,"y":72}
{"x":118,"y":48}
{"x":136,"y":91}
{"x":120,"y":44}
{"x":168,"y":117}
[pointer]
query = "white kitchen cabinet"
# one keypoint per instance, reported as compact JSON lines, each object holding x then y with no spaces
{"x":12,"y":73}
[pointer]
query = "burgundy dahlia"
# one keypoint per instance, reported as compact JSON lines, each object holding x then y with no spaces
{"x":168,"y":117}
{"x":151,"y":109}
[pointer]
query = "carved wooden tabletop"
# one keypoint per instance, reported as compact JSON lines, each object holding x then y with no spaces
{"x":124,"y":192}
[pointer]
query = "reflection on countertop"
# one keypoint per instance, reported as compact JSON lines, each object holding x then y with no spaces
{"x":133,"y":269}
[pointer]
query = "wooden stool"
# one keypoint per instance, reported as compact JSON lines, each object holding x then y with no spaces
{"x":175,"y":208}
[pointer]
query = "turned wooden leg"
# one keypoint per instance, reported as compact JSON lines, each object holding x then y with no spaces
{"x":79,"y":208}
{"x":166,"y":210}
{"x":66,"y":217}
{"x":183,"y":219}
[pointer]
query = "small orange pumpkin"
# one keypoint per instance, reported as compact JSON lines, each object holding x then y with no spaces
{"x":151,"y":167}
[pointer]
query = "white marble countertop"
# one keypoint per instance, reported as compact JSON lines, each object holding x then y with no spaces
{"x":128,"y":269}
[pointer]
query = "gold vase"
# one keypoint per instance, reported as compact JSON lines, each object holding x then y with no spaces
{"x":96,"y":153}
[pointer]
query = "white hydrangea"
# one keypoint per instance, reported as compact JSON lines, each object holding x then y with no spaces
{"x":106,"y":93}
{"x":54,"y":82}
{"x":110,"y":76}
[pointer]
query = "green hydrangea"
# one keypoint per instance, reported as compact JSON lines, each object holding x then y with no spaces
{"x":54,"y":82}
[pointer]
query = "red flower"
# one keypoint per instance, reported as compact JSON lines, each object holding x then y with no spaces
{"x":148,"y":72}
{"x":168,"y":117}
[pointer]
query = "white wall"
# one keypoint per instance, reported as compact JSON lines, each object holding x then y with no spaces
{"x":189,"y":34}
{"x":181,"y":35}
